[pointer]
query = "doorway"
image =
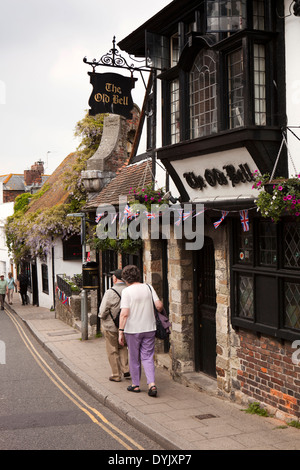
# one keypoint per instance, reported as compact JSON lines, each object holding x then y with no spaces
{"x":206,"y":305}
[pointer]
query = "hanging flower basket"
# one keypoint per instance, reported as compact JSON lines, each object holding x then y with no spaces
{"x":147,"y":196}
{"x":279,"y":197}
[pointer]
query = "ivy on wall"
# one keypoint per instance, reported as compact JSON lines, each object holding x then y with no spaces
{"x":31,"y":234}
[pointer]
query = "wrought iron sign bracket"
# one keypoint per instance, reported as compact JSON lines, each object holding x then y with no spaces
{"x":114,"y":59}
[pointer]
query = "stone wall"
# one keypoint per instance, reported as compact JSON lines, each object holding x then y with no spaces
{"x":68,"y":313}
{"x":180,"y":276}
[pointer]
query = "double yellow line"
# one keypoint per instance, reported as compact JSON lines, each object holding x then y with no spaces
{"x":91,"y":412}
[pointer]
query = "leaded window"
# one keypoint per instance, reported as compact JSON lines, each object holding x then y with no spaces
{"x":223,"y":15}
{"x":292,"y":305}
{"x":245,"y":296}
{"x":174,"y":111}
{"x":260,"y":104}
{"x":203,"y":95}
{"x":236,"y":89}
{"x":267,"y":285}
{"x":259,"y":14}
{"x":291,"y":245}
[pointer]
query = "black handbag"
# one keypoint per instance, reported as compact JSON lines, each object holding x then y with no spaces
{"x":116,"y":320}
{"x":162,"y":322}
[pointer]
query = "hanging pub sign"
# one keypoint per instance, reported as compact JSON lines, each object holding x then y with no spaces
{"x":111,"y":94}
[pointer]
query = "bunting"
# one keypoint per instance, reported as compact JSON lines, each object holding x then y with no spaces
{"x":129,"y":214}
{"x":245,"y":220}
{"x":224,"y":214}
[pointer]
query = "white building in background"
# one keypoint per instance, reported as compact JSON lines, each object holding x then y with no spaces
{"x":292,"y":38}
{"x":6,"y":263}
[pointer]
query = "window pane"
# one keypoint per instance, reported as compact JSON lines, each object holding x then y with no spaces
{"x":235,"y":89}
{"x":174,"y":111}
{"x":245,"y":295}
{"x":203,"y":99}
{"x":267,"y":244}
{"x":260,"y":85}
{"x":292,"y":305}
{"x":291,"y":245}
{"x":258,"y":15}
{"x":174,"y":50}
{"x":245,"y":246}
{"x":224,"y":15}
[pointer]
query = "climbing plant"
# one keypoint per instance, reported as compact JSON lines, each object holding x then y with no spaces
{"x":32,"y":233}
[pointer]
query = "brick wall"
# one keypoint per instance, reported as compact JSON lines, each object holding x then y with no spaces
{"x":10,"y":195}
{"x":267,"y":373}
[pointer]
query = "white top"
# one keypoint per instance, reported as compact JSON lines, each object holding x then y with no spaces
{"x":138,"y":299}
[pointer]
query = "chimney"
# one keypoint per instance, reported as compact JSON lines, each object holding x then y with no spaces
{"x":34,"y":175}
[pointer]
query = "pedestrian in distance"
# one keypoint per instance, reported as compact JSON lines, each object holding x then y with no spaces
{"x":109,"y":309}
{"x":3,"y":290}
{"x":138,"y":325}
{"x":11,"y":286}
{"x":22,"y":286}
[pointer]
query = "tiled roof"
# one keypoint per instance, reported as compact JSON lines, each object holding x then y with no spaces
{"x":136,"y":175}
{"x":56,"y":193}
{"x":13,"y":182}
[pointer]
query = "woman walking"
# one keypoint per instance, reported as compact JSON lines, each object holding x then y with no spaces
{"x":137,"y":322}
{"x":11,"y":285}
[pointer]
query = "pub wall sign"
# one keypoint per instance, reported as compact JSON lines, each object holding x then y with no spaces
{"x":111,"y":94}
{"x":213,"y":176}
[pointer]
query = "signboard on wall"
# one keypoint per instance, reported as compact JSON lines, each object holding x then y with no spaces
{"x":222,"y":175}
{"x":111,"y":94}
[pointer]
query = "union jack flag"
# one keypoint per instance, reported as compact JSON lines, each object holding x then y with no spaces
{"x":128,"y":212}
{"x":150,"y":215}
{"x":178,"y":221}
{"x":217,"y":224}
{"x":244,"y":220}
{"x":98,"y":217}
{"x":186,"y":215}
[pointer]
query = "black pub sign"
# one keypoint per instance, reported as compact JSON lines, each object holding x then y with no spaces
{"x":111,"y":94}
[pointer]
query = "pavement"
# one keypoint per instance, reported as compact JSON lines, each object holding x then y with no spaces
{"x":181,"y":417}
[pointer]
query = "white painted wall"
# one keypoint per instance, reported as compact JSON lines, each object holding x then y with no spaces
{"x":6,"y":209}
{"x":60,"y":267}
{"x":292,"y":41}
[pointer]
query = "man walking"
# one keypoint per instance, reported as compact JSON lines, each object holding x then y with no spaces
{"x":109,"y":310}
{"x":3,"y":290}
{"x":22,"y":286}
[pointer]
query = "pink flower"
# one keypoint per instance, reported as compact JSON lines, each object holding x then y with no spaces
{"x":280,"y":188}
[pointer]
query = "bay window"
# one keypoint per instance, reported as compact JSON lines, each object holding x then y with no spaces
{"x":203,"y":95}
{"x":266,"y":279}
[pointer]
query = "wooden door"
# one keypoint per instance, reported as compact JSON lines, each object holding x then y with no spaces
{"x":206,"y":308}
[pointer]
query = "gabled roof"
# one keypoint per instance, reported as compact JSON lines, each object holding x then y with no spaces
{"x":56,"y":194}
{"x":135,"y":175}
{"x":13,"y":181}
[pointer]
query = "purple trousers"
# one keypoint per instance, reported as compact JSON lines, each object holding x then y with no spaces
{"x":141,"y":351}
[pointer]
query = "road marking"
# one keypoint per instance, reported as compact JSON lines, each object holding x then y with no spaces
{"x":68,"y":392}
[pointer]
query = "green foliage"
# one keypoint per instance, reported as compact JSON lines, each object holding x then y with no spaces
{"x":127,"y":245}
{"x":294,"y":424}
{"x":147,"y":196}
{"x":255,"y":409}
{"x":32,"y":233}
{"x":282,"y":197}
{"x":23,"y":200}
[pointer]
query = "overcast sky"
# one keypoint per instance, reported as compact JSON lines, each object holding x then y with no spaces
{"x":44,"y":86}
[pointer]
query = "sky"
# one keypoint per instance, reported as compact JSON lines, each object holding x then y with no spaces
{"x":44,"y":85}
